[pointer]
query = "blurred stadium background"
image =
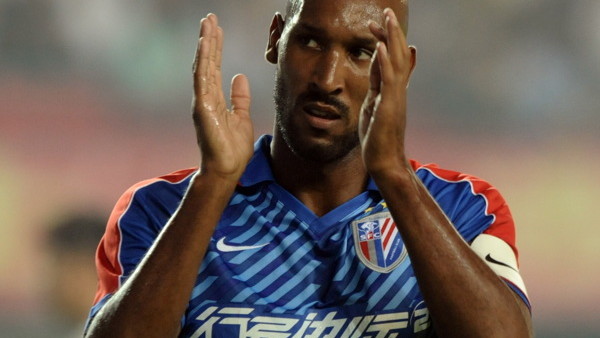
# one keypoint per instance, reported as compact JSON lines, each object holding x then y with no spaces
{"x":95,"y":96}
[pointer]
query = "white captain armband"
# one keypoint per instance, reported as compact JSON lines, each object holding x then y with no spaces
{"x":500,"y":257}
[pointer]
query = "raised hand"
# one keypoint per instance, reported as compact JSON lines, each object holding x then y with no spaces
{"x":225,"y":136}
{"x":383,"y":115}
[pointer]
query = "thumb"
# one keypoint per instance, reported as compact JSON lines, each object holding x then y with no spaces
{"x":240,"y":95}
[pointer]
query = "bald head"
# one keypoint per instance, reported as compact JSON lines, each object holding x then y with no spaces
{"x":400,"y":7}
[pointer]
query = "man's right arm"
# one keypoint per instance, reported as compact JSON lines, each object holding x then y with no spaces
{"x":154,"y":298}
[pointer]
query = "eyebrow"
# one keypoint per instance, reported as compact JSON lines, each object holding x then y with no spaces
{"x":362,"y":41}
{"x":304,"y":27}
{"x":368,"y":40}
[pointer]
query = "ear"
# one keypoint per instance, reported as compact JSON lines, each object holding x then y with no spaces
{"x":275,"y":31}
{"x":413,"y":61}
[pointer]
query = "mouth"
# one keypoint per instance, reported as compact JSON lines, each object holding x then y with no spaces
{"x":322,"y":111}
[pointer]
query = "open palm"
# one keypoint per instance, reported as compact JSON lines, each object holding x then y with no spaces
{"x":382,"y":121}
{"x":224,"y":135}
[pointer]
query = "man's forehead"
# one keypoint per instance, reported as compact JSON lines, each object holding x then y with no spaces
{"x":345,"y":13}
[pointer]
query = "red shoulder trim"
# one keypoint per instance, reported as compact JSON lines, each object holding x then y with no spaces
{"x":108,"y":264}
{"x":503,"y":225}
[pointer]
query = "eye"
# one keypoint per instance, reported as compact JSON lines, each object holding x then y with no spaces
{"x":362,"y":54}
{"x":308,"y":41}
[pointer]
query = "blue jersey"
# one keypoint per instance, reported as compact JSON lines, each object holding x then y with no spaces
{"x":273,"y":268}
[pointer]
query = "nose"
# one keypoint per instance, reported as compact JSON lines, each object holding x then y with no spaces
{"x":328,"y":73}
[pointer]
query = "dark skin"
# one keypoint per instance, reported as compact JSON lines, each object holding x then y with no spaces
{"x":365,"y":63}
{"x":436,"y":249}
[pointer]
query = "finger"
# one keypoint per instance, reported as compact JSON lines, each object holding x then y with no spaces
{"x":387,"y":75}
{"x":196,"y":62}
{"x":201,"y":62}
{"x":396,"y":41}
{"x":240,"y":95}
{"x":218,"y":60}
{"x":375,"y":71}
{"x":378,"y":31}
{"x":218,"y":35}
{"x":213,"y":47}
{"x":216,"y":57}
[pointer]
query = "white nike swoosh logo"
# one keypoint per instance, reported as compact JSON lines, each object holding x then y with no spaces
{"x":221,"y":246}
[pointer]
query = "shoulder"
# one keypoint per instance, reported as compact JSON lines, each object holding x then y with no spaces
{"x":440,"y":181}
{"x":481,"y":215}
{"x":472,"y":204}
{"x":142,"y":210}
{"x":150,"y":198}
{"x":434,"y":172}
{"x":175,"y":178}
{"x":174,"y":181}
{"x":134,"y":223}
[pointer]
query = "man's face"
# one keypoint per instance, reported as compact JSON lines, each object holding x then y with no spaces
{"x":323,"y":58}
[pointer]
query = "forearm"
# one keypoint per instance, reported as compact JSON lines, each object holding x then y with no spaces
{"x":153,"y":300}
{"x":464,"y":296}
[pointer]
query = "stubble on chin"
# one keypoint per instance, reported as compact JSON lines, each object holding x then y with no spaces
{"x":318,"y":152}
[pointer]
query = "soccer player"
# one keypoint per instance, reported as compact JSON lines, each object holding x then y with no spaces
{"x":325,"y":229}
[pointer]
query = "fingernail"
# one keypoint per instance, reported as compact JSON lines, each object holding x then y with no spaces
{"x":389,"y":15}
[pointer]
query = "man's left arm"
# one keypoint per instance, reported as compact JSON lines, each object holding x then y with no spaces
{"x":464,"y":296}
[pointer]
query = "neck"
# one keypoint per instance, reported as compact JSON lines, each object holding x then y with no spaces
{"x":319,"y":186}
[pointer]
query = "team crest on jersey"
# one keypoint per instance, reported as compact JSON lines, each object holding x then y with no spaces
{"x":378,"y":243}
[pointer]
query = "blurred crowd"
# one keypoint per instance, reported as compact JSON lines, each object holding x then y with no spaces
{"x":529,"y":62}
{"x":94,"y":96}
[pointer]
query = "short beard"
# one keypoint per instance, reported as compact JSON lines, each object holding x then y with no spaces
{"x":341,"y":147}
